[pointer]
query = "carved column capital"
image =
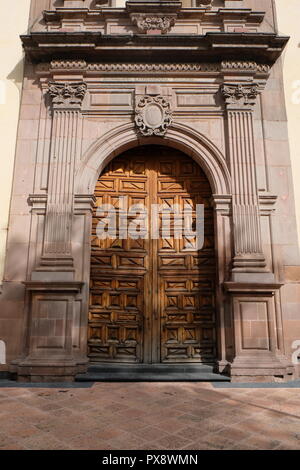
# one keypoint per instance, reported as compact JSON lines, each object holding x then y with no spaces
{"x":67,"y":95}
{"x":239,"y":96}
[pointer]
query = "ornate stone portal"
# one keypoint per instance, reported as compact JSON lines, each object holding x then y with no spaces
{"x":201,"y":87}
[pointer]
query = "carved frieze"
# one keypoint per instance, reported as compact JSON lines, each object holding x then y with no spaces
{"x":154,"y":67}
{"x":240,"y":66}
{"x":67,"y":95}
{"x":153,"y":115}
{"x":68,"y":64}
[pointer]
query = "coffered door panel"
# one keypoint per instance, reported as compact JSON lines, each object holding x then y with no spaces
{"x":118,"y":267}
{"x":186,"y":276}
{"x":153,"y":300}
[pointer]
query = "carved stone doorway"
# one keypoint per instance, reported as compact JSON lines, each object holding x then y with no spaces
{"x":152,"y":300}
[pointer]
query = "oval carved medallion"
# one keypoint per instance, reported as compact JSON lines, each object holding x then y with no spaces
{"x":153,"y":115}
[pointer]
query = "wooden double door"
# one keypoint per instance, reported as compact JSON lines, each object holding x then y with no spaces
{"x":151,"y":300}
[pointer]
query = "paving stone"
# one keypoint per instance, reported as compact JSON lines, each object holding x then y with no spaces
{"x":149,"y":416}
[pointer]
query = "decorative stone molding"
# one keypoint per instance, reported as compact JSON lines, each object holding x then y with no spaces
{"x":238,"y":65}
{"x":147,"y":23}
{"x":154,"y":67}
{"x":153,"y":115}
{"x":67,"y":95}
{"x":68,"y":64}
{"x":222,"y":203}
{"x":244,"y":65}
{"x":239,"y":95}
{"x":267,"y":203}
{"x":241,"y":66}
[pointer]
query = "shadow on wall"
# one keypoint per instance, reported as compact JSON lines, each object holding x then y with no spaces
{"x":17,"y":74}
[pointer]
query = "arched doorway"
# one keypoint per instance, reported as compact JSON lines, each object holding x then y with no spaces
{"x":152,"y":300}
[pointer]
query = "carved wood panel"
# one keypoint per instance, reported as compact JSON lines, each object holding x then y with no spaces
{"x":152,"y":300}
{"x":186,"y":276}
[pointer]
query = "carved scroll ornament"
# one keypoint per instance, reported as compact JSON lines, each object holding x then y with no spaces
{"x":153,"y":115}
{"x":206,"y":3}
{"x":146,"y":23}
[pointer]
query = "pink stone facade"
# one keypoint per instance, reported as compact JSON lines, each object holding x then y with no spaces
{"x":217,"y":66}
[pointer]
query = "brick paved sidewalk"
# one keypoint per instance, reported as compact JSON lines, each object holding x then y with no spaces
{"x":149,"y":416}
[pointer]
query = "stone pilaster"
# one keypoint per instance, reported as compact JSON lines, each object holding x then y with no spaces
{"x":239,"y":101}
{"x":52,"y":351}
{"x":66,"y":107}
{"x":252,"y":291}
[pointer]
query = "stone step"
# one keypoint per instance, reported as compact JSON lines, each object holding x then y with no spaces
{"x":151,"y":373}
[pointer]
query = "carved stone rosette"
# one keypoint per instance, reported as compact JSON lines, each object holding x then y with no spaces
{"x":146,"y":23}
{"x":153,"y":115}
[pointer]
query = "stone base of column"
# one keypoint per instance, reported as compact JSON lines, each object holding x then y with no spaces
{"x":249,"y":262}
{"x":55,"y":261}
{"x":38,"y":370}
{"x":261,"y":368}
{"x":257,"y":328}
{"x":52,"y":352}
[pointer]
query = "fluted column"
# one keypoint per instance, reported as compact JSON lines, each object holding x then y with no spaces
{"x":239,"y":100}
{"x":66,"y":107}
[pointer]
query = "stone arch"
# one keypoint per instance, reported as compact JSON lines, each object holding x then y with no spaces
{"x":179,"y":136}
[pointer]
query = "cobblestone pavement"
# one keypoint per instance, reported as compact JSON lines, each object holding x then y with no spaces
{"x":119,"y":416}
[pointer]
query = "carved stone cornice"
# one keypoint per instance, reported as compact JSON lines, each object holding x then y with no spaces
{"x":67,"y":95}
{"x":262,"y":48}
{"x":147,"y":23}
{"x":239,"y":96}
{"x":153,"y":115}
{"x":96,"y":13}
